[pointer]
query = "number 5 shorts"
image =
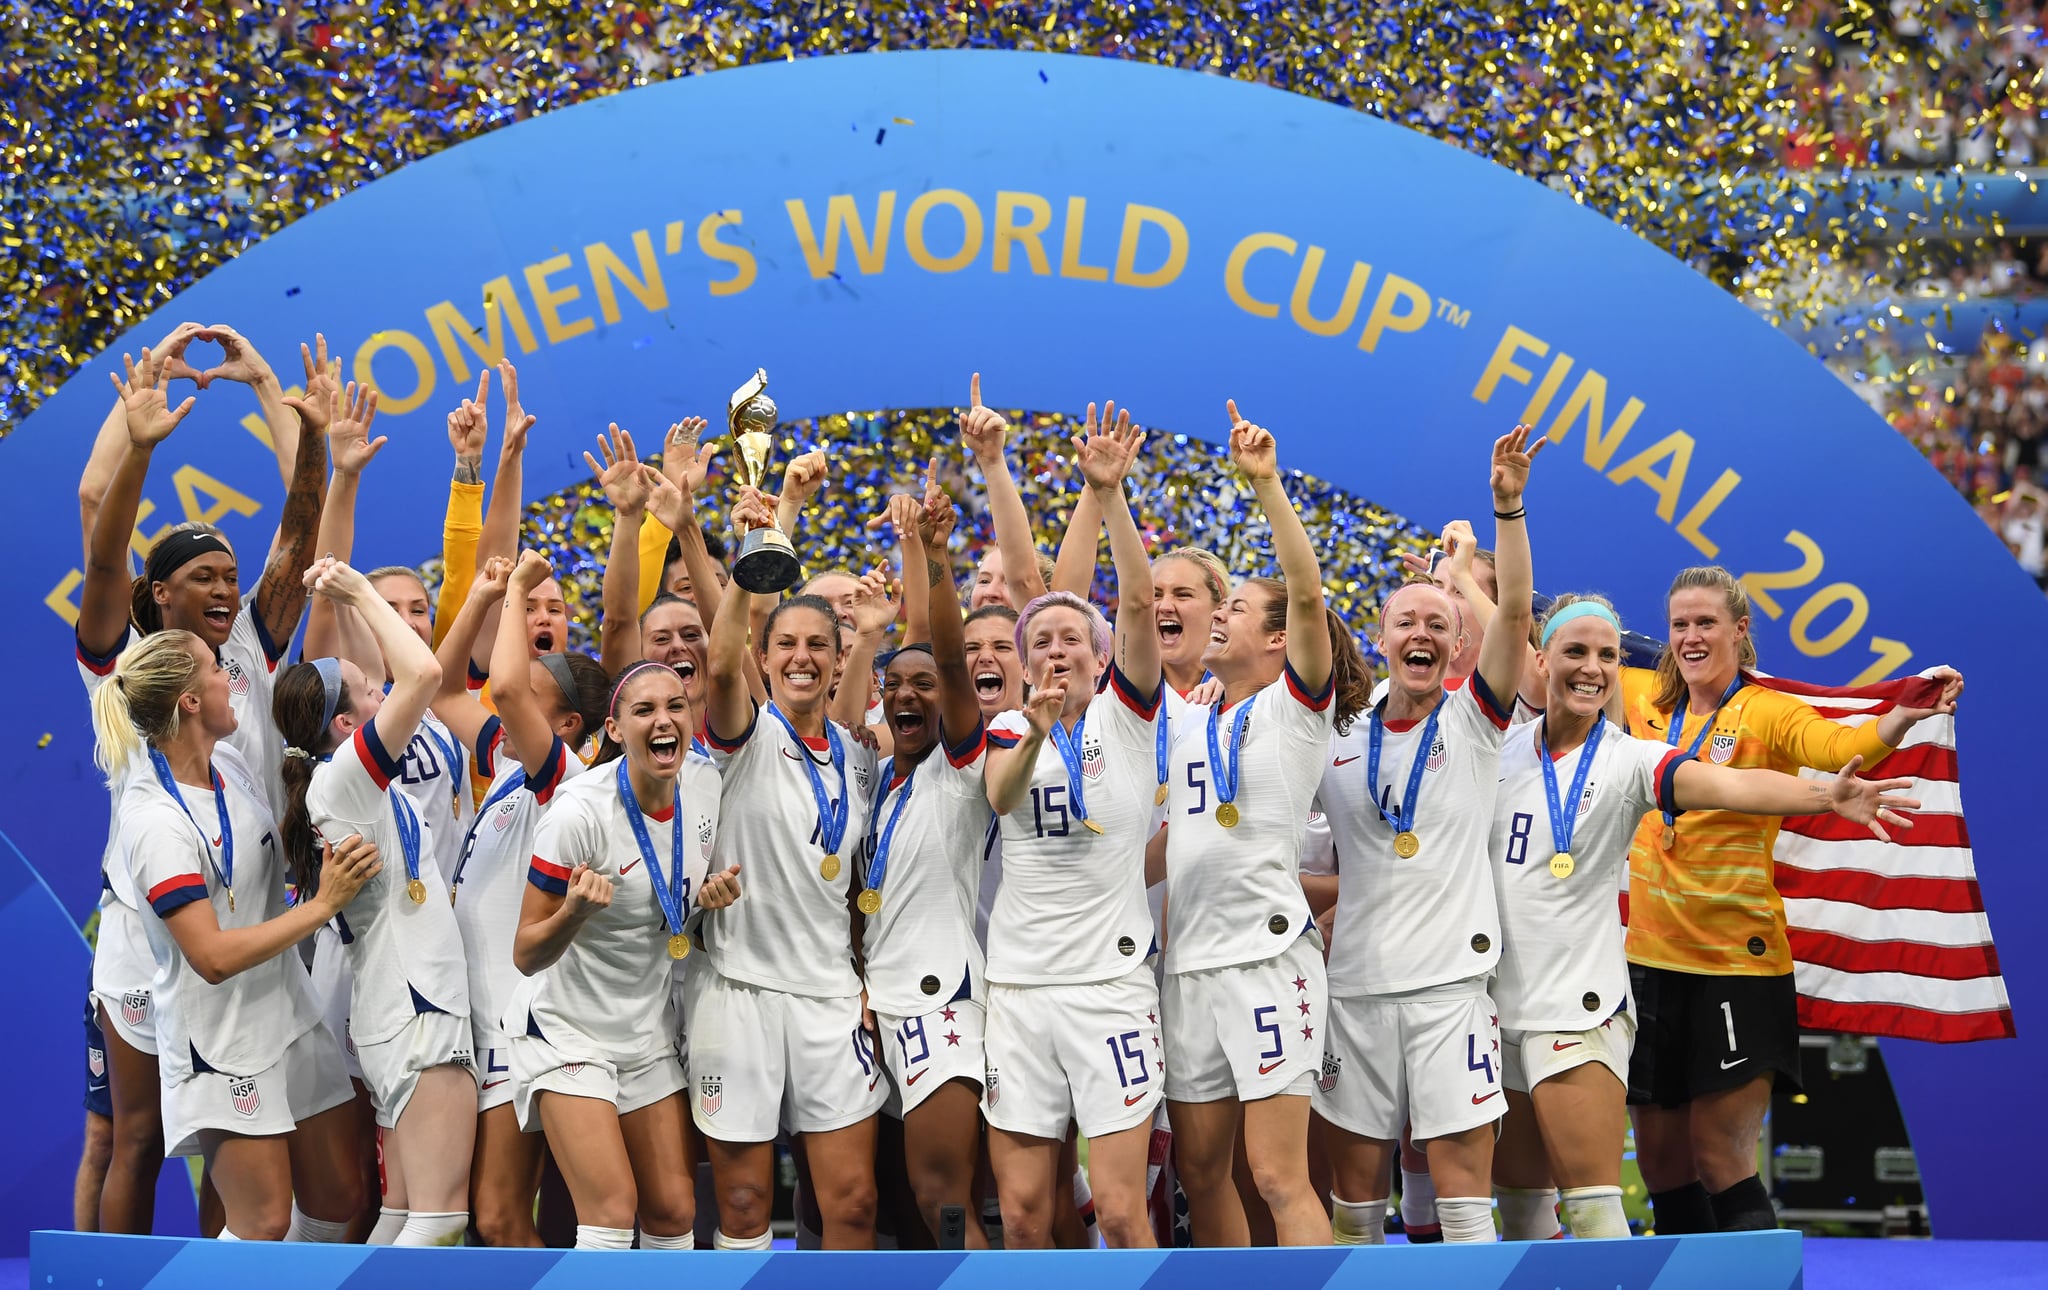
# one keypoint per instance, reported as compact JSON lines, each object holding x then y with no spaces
{"x":1429,"y":1060}
{"x":1090,"y":1053}
{"x":1248,"y":1031}
{"x":766,"y":1060}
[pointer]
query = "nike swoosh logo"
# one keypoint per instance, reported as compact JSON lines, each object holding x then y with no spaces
{"x":1344,"y":761}
{"x":626,"y":869}
{"x":875,"y":1080}
{"x":1556,"y":1047}
{"x":1264,"y":1069}
{"x":792,"y":756}
{"x":1134,"y":1099}
{"x":915,"y":1078}
{"x":1477,"y":1099}
{"x":1732,"y":1065}
{"x":493,"y":1083}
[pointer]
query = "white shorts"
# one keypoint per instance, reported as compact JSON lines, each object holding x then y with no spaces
{"x":1248,"y":1031}
{"x":493,"y":1066}
{"x":763,"y":1061}
{"x":1089,"y":1053}
{"x":122,"y":971}
{"x":334,"y":981}
{"x":925,"y":1052}
{"x":392,"y":1069}
{"x":540,"y":1067}
{"x":1432,"y":1064}
{"x":307,"y":1080}
{"x":1528,"y":1057}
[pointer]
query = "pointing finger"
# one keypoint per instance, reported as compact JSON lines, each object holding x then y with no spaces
{"x":974,"y":391}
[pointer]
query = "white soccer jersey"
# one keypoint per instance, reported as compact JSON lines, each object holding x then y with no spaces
{"x":1072,"y":906}
{"x":1561,"y":963}
{"x":792,"y":930}
{"x":920,"y":948}
{"x":407,"y":957}
{"x":490,"y":880}
{"x":1430,"y":919}
{"x":1234,"y":894}
{"x":434,"y":776}
{"x":608,"y":995}
{"x":243,"y":1025}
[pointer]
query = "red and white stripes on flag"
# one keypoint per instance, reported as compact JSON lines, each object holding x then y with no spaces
{"x":1890,"y":938}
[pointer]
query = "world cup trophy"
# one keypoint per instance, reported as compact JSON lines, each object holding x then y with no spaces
{"x":767,"y":562}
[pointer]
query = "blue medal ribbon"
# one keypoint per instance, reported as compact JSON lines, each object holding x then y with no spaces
{"x":1563,"y":822}
{"x":878,"y":866}
{"x":831,"y":823}
{"x":1224,"y":777}
{"x":1678,"y":724}
{"x":512,"y":784}
{"x":1161,"y":742}
{"x":1405,"y":821}
{"x":408,"y":836}
{"x":1070,"y":752}
{"x":224,"y":867}
{"x":671,"y":888}
{"x":450,"y":757}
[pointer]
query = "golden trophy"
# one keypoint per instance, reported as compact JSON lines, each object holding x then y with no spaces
{"x":767,"y":562}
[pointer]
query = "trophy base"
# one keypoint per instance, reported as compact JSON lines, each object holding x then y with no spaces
{"x":767,"y":562}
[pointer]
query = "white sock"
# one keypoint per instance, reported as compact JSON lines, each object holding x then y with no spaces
{"x":1418,"y":1201}
{"x":1526,"y":1214}
{"x":226,"y":1235}
{"x":1358,"y":1222}
{"x":1465,"y":1218}
{"x":1595,"y":1213}
{"x":649,"y":1241}
{"x":390,"y":1222}
{"x":603,"y":1238}
{"x":316,"y":1230}
{"x":1084,"y":1200}
{"x":426,"y":1228}
{"x":765,"y":1241}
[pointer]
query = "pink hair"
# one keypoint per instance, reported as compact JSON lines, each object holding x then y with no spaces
{"x":1098,"y":626}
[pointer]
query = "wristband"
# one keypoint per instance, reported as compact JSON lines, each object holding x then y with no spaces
{"x":1518,"y":513}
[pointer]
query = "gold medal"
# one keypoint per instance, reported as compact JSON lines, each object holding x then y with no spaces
{"x":1092,"y":826}
{"x":1561,"y":865}
{"x":869,"y":903}
{"x":1670,"y":837}
{"x":416,"y":892}
{"x":1406,"y":844}
{"x":679,"y":946}
{"x":1159,"y":798}
{"x":451,"y":898}
{"x":1226,"y":814}
{"x":231,"y":900}
{"x":828,"y":869}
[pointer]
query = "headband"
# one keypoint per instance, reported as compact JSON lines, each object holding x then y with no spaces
{"x":921,"y":647}
{"x":619,"y":686}
{"x":1578,"y":609}
{"x":558,"y":667}
{"x":173,"y":551}
{"x":330,"y":689}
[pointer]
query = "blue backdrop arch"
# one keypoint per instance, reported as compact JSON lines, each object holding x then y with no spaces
{"x":872,"y":228}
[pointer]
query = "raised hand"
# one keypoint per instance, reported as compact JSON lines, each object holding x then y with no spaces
{"x":982,"y":429}
{"x":337,"y":581}
{"x":673,"y":506}
{"x":589,"y":891}
{"x":1044,"y":708}
{"x":752,"y":510}
{"x":800,"y":483}
{"x":625,"y":484}
{"x":685,"y":458}
{"x":719,"y":889}
{"x":904,"y":514}
{"x":170,"y":352}
{"x":345,"y":867}
{"x":935,"y":524}
{"x":532,"y":570}
{"x":1106,"y":448}
{"x":239,"y":360}
{"x":469,"y":426}
{"x":874,"y":608}
{"x":517,"y":419}
{"x":1875,"y":802}
{"x":323,"y":384}
{"x":1251,"y":447}
{"x":1513,"y":453}
{"x":493,"y":580}
{"x":348,"y":436}
{"x":145,"y":401}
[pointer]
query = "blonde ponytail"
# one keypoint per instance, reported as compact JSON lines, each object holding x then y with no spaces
{"x":138,"y":704}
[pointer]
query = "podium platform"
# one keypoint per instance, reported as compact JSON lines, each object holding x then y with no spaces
{"x":1731,"y":1261}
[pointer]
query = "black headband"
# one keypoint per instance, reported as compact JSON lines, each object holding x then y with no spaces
{"x":174,"y":551}
{"x":921,"y":647}
{"x":558,"y":667}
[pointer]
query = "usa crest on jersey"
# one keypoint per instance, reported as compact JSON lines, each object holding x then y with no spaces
{"x":990,"y":1083}
{"x":1092,"y":762}
{"x":710,"y":1093}
{"x":242,"y":1094}
{"x":134,"y":1006}
{"x":96,"y":1061}
{"x":238,"y":680}
{"x":1333,"y":1066}
{"x":1439,"y":753}
{"x":1721,"y":749}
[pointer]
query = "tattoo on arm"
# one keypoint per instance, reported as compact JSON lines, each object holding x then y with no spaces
{"x":281,"y":597}
{"x":468,"y":472}
{"x":934,"y":572}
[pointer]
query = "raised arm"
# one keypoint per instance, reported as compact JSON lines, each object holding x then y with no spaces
{"x":501,"y":517}
{"x":959,"y":710}
{"x":985,"y":432}
{"x":1893,"y":726}
{"x":149,"y":419}
{"x":347,"y":419}
{"x":458,"y":709}
{"x":524,"y":715}
{"x":685,"y":462}
{"x":462,"y":525}
{"x":801,"y":481}
{"x":1703,"y":786}
{"x":730,"y":704}
{"x":627,"y":484}
{"x":673,"y":503}
{"x":242,"y":364}
{"x":1507,"y":639}
{"x":217,"y":953}
{"x":1308,"y":626}
{"x":1106,"y":454}
{"x":415,"y":676}
{"x":111,"y":443}
{"x":1073,"y":569}
{"x":874,"y":613}
{"x":281,"y":596}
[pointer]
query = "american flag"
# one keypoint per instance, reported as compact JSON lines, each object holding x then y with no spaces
{"x":1891,"y":938}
